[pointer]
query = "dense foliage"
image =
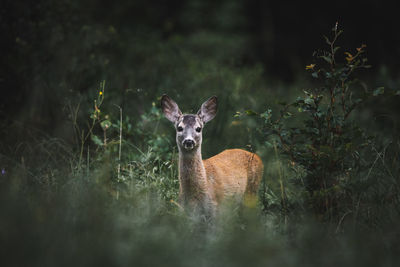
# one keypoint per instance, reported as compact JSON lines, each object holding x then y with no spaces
{"x":329,"y":154}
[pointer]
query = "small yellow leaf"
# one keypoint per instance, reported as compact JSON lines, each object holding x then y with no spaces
{"x":310,"y":67}
{"x":349,"y":57}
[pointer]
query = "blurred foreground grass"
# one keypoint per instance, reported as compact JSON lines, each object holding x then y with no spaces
{"x":54,"y":213}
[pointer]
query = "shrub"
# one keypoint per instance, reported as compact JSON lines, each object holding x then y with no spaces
{"x":316,"y":132}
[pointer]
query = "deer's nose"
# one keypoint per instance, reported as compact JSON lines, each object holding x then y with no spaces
{"x":188,"y":143}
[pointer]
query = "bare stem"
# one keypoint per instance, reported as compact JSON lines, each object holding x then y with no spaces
{"x":120,"y":140}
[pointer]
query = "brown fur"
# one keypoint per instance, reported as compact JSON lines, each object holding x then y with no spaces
{"x":205,"y":184}
{"x":233,"y":173}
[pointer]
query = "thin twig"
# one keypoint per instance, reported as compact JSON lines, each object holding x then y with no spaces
{"x":120,"y":140}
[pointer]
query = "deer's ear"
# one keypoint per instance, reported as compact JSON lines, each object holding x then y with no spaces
{"x":208,"y":110}
{"x":170,"y":108}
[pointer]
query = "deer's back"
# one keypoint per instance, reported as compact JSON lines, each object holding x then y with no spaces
{"x":234,"y":172}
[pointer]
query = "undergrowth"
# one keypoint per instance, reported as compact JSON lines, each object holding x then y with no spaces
{"x":325,"y":155}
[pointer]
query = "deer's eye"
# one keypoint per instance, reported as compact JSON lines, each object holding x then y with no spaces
{"x":180,"y":129}
{"x":198,"y":129}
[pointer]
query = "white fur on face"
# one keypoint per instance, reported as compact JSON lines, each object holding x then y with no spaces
{"x":186,"y":129}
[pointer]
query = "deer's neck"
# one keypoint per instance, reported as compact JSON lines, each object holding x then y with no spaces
{"x":193,"y":179}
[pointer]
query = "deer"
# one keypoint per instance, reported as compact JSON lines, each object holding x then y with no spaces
{"x":205,"y":184}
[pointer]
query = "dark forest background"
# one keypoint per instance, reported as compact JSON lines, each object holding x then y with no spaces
{"x":81,"y":81}
{"x":54,"y":47}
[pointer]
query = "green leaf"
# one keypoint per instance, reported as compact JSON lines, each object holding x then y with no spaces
{"x":287,"y":115}
{"x":314,"y":74}
{"x":268,"y":144}
{"x":398,"y":92}
{"x":250,"y":112}
{"x":327,"y":59}
{"x":378,"y":91}
{"x":105,"y":124}
{"x":358,"y":101}
{"x":267,"y":115}
{"x":96,"y":140}
{"x":327,"y":40}
{"x":309,"y":101}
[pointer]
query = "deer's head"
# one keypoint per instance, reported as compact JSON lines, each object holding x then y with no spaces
{"x":189,"y":127}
